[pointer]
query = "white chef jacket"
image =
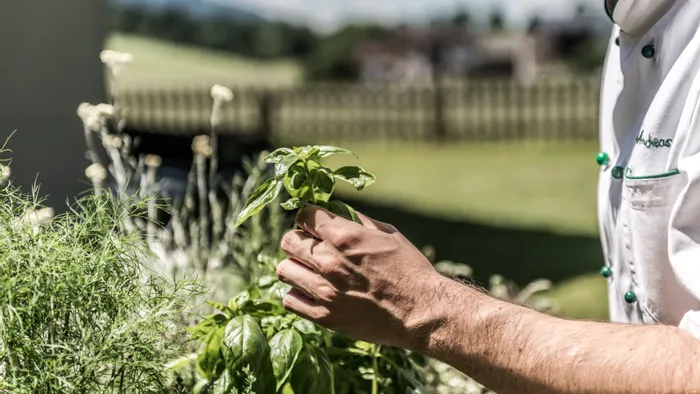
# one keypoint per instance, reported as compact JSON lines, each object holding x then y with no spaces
{"x":649,"y":187}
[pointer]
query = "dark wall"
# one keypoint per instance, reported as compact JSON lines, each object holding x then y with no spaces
{"x":49,"y":64}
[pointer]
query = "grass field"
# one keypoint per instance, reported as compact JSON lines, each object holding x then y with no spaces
{"x":526,"y":211}
{"x":159,"y":62}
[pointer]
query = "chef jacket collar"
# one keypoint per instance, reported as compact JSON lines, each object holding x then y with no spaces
{"x":637,"y":16}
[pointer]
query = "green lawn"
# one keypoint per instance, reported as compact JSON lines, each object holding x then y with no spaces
{"x":535,"y":185}
{"x":162,"y":63}
{"x":526,"y":211}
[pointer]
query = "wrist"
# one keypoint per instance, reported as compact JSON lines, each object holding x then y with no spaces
{"x":463,"y":321}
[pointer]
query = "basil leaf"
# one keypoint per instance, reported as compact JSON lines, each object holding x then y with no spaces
{"x":245,"y":345}
{"x":207,"y":325}
{"x":260,"y":308}
{"x":279,"y":155}
{"x":283,"y":166}
{"x":344,"y":210}
{"x":285,"y":348}
{"x":210,"y":362}
{"x":265,"y":194}
{"x":313,"y":373}
{"x":225,"y":384}
{"x":296,"y":181}
{"x":305,"y":327}
{"x":326,"y":151}
{"x":292,"y":204}
{"x":355,"y":176}
{"x":223,"y":308}
{"x":324,"y":184}
{"x":278,"y":290}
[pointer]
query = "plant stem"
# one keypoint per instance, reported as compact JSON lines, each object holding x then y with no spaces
{"x":375,"y":368}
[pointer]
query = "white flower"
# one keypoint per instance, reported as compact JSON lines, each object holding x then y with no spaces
{"x":201,"y":146}
{"x":105,"y":110}
{"x":94,"y":116}
{"x":153,"y":161}
{"x":221,"y":94}
{"x":4,"y":173}
{"x":113,"y":141}
{"x":116,"y":61}
{"x":96,"y":172}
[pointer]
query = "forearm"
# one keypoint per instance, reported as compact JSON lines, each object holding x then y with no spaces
{"x":513,"y":349}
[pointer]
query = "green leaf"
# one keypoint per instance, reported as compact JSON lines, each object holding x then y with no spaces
{"x":279,"y":290}
{"x":265,"y":194}
{"x":344,"y":210}
{"x":245,"y":344}
{"x":285,"y":348}
{"x":292,"y":204}
{"x":305,"y":327}
{"x":207,"y":325}
{"x":177,"y":364}
{"x":210,"y":362}
{"x":259,"y":308}
{"x":224,"y":384}
{"x":229,"y":312}
{"x":326,"y":151}
{"x":355,"y":176}
{"x":282,"y":167}
{"x":279,"y":155}
{"x":296,"y":181}
{"x":323,"y":184}
{"x":312,"y":373}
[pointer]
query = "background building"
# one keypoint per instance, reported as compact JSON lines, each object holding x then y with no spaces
{"x":50,"y":64}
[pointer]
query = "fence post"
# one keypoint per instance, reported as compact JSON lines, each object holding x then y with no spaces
{"x":266,"y":105}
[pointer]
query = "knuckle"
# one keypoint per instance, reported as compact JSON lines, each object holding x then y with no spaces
{"x":327,"y":293}
{"x":345,"y":238}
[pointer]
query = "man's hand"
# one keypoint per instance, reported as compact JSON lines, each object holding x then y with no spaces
{"x":366,"y":281}
{"x":369,"y":282}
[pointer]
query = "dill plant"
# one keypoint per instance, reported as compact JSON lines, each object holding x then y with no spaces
{"x":78,"y":311}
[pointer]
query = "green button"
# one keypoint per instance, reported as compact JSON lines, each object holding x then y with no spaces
{"x":648,"y":51}
{"x":602,"y":158}
{"x":606,"y":272}
{"x":630,"y":297}
{"x":617,"y":172}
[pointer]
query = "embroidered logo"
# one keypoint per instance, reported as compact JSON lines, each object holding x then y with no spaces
{"x":651,"y":142}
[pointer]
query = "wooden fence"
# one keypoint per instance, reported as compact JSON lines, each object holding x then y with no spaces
{"x":481,"y":110}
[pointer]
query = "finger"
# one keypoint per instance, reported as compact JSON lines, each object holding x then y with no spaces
{"x":301,"y":277}
{"x":375,"y":224}
{"x":296,"y":302}
{"x":300,"y":246}
{"x":321,"y":223}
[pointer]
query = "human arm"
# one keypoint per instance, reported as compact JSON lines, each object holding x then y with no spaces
{"x":371,"y":283}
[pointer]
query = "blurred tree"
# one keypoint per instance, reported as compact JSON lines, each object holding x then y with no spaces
{"x":589,"y":56}
{"x":462,"y":18}
{"x":334,"y":59}
{"x":497,"y":20}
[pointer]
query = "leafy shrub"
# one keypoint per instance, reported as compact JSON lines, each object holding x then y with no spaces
{"x":78,"y":311}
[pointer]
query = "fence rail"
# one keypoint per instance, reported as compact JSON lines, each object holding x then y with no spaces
{"x":483,"y":110}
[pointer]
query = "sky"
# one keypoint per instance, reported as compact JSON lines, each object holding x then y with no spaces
{"x":330,"y":14}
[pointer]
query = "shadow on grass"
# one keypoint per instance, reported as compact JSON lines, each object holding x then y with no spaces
{"x":518,"y":254}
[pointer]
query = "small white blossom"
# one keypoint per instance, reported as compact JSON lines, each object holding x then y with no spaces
{"x":113,"y":141}
{"x":4,"y":173}
{"x":94,"y":116}
{"x":154,"y":161}
{"x":96,"y":172}
{"x":221,"y":94}
{"x":116,"y":61}
{"x":201,"y":146}
{"x":105,"y":110}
